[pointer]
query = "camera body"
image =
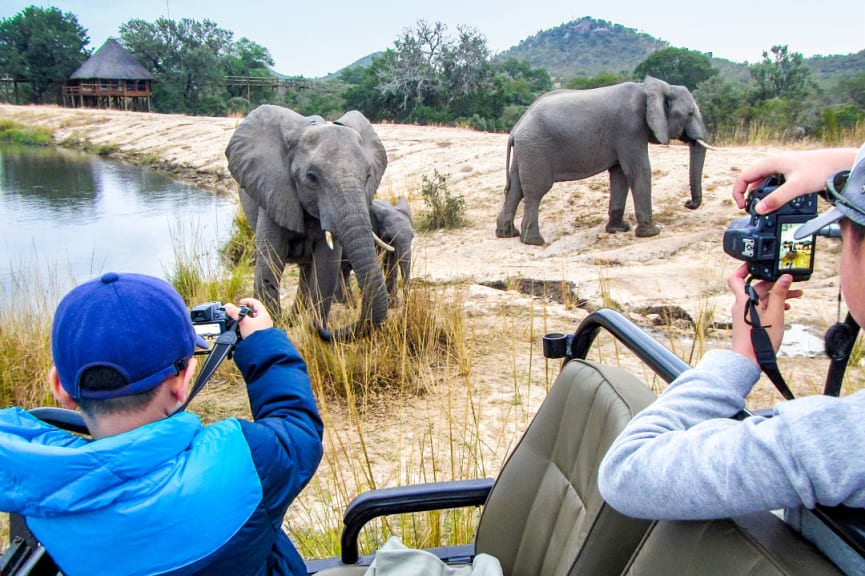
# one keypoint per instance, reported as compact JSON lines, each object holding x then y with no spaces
{"x":210,"y":319}
{"x":766,"y":241}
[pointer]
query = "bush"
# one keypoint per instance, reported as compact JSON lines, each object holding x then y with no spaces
{"x":237,"y":106}
{"x":445,"y":210}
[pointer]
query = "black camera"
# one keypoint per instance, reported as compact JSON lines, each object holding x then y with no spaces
{"x":766,"y":241}
{"x":210,"y":319}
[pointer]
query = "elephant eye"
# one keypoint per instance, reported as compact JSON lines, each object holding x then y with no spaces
{"x":312,"y":178}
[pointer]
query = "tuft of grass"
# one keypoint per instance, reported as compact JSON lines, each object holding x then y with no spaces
{"x":426,"y":331}
{"x":105,"y":149}
{"x":11,"y":131}
{"x":241,"y":245}
{"x":25,"y":337}
{"x":445,"y":210}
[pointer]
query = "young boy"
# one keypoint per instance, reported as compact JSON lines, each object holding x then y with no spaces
{"x":154,"y":491}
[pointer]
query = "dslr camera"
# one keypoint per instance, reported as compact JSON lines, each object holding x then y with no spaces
{"x":210,"y":319}
{"x":766,"y":241}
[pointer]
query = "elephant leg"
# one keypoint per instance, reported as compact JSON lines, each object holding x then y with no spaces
{"x":530,"y":231}
{"x":405,"y":271}
{"x":323,"y":278}
{"x":618,"y":199}
{"x":513,"y":195}
{"x":389,"y":267}
{"x":342,"y":294}
{"x":271,"y":247}
{"x":642,"y":190}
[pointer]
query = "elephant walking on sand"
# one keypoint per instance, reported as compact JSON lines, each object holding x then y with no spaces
{"x":573,"y":134}
{"x":306,"y":186}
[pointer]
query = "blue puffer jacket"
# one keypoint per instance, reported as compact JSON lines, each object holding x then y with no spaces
{"x":173,"y":497}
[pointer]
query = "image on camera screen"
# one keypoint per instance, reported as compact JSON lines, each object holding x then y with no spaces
{"x":794,"y":256}
{"x":212,"y":329}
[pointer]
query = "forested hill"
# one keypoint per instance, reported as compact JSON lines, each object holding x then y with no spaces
{"x":585,"y":47}
{"x":588,"y":47}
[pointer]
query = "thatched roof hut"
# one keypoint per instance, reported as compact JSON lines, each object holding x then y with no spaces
{"x":110,"y":78}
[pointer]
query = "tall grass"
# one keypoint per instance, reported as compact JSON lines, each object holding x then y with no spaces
{"x":26,"y":311}
{"x":11,"y":131}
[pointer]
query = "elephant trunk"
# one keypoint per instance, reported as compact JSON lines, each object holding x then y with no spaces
{"x":698,"y":157}
{"x":359,"y":248}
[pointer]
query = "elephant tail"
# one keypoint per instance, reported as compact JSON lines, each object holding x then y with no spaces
{"x":508,"y":163}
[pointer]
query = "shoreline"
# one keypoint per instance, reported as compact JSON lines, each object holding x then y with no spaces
{"x":161,"y":141}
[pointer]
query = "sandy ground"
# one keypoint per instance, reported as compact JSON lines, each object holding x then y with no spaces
{"x":684,"y":267}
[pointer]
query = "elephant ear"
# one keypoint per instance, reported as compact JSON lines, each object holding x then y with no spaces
{"x":372,"y":144}
{"x":656,"y":108}
{"x":259,"y":155}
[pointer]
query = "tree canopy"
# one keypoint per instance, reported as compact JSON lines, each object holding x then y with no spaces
{"x":190,"y":60}
{"x":42,"y":46}
{"x":677,"y":66}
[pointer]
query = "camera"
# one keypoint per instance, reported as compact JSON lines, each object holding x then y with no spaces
{"x":210,"y":319}
{"x":766,"y":241}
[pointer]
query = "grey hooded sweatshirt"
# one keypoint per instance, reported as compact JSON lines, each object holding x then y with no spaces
{"x":684,"y":458}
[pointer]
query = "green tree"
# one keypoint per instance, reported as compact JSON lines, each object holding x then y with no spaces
{"x":410,"y":73}
{"x":720,"y":105}
{"x":42,"y":46}
{"x":190,"y":60}
{"x":852,"y":88}
{"x":599,"y":81}
{"x":784,"y":92}
{"x":677,"y":66}
{"x":781,"y":75}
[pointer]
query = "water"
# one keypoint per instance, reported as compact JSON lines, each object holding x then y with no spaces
{"x":75,"y":216}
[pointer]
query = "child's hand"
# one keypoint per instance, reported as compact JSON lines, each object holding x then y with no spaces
{"x":257,"y":319}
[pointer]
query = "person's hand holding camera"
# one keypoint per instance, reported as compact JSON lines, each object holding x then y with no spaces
{"x":804,"y":172}
{"x":257,"y":319}
{"x":771,"y":305}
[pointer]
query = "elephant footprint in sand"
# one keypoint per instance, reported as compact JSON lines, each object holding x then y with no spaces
{"x":306,"y":186}
{"x":574,"y":134}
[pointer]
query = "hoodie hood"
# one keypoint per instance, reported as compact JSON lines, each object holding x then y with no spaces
{"x":45,"y":471}
{"x":121,"y":505}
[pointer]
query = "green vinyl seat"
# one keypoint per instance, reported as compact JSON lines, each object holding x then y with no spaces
{"x":544,"y":514}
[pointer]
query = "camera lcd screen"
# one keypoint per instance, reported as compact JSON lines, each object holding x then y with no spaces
{"x":794,"y":257}
{"x":212,"y":329}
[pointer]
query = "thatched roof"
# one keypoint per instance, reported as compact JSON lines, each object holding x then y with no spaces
{"x":111,"y":62}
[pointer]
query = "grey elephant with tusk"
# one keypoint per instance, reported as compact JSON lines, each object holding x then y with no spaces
{"x":306,"y":186}
{"x":573,"y":134}
{"x":394,"y":229}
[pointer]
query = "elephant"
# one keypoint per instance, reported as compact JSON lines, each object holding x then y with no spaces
{"x":394,"y":226}
{"x":573,"y":134}
{"x":306,"y":186}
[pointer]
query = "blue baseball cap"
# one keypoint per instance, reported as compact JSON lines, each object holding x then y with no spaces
{"x":135,"y":324}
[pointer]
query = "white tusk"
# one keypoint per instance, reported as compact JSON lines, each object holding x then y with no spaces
{"x":705,"y":145}
{"x":382,"y":243}
{"x":328,"y":237}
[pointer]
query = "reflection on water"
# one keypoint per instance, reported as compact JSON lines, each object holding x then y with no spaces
{"x":80,"y":215}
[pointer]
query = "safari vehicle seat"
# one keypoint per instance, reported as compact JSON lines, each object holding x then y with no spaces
{"x":544,"y":514}
{"x":757,"y":544}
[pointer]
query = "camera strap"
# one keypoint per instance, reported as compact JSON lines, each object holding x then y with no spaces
{"x":221,"y":349}
{"x":762,"y":344}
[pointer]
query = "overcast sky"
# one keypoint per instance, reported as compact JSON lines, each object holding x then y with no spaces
{"x":316,"y":37}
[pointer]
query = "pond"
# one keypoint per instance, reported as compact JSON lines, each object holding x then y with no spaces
{"x":72,"y":216}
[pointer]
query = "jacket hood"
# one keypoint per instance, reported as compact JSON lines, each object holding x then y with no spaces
{"x":46,"y":471}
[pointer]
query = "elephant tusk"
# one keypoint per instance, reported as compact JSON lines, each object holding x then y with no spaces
{"x":328,"y":237}
{"x":705,"y":144}
{"x":382,"y":243}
